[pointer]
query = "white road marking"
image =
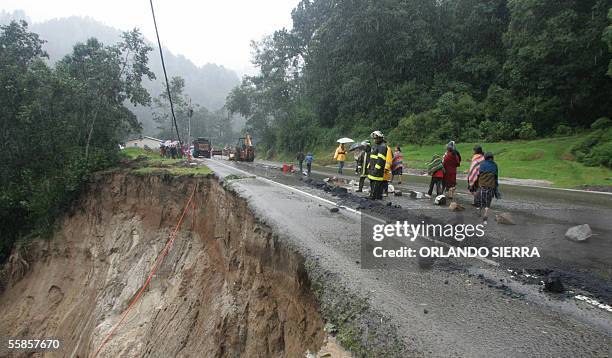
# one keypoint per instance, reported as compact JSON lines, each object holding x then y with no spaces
{"x":358,"y":213}
{"x":567,"y":189}
{"x":593,"y":302}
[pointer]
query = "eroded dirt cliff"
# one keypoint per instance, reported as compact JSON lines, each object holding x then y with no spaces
{"x":227,"y":287}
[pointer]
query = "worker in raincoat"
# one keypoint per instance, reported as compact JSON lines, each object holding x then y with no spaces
{"x":378,"y":165}
{"x":340,"y":157}
{"x":363,"y":163}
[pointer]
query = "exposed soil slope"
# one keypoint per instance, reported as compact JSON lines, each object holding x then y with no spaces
{"x":227,"y":287}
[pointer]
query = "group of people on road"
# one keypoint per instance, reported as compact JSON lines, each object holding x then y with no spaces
{"x":376,"y":161}
{"x":308,"y":158}
{"x":483,"y":181}
{"x":443,"y":171}
{"x":381,"y":165}
{"x":169,"y":149}
{"x":482,"y":178}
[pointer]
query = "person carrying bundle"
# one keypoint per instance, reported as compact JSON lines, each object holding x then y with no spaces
{"x":435,"y":168}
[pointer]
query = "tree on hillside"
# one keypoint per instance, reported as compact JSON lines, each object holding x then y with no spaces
{"x":555,"y":56}
{"x":181,"y":104}
{"x":469,"y":69}
{"x":108,"y":76}
{"x":58,"y":125}
{"x":607,"y":37}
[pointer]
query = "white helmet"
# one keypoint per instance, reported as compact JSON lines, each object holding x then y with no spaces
{"x":377,"y":134}
{"x":440,"y":200}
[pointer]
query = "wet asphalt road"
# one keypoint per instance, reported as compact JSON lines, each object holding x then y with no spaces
{"x":451,"y":308}
{"x":542,"y":216}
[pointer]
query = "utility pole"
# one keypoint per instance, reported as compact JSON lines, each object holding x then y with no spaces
{"x":189,"y":114}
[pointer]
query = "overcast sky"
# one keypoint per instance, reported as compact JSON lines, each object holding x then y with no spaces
{"x":203,"y":31}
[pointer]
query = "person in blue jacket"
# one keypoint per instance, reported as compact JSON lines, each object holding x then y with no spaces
{"x":309,"y":160}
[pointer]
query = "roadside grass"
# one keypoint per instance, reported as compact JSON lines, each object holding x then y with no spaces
{"x":544,"y":159}
{"x":200,"y":170}
{"x":153,"y":158}
{"x":150,"y":163}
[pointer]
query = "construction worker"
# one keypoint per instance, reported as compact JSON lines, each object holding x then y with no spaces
{"x":363,"y":162}
{"x":377,"y":166}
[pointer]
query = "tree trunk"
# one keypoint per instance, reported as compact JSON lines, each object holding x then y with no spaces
{"x":93,"y":122}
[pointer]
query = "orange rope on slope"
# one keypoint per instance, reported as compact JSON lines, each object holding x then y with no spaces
{"x":158,"y":261}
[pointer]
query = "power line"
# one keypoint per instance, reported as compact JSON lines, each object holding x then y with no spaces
{"x":166,"y":77}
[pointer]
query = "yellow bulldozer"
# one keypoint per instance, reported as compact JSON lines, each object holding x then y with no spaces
{"x":244,"y":150}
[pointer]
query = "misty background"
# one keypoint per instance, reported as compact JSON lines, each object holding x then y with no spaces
{"x":207,"y":86}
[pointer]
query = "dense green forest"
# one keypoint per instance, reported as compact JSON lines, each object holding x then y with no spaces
{"x":61,"y":123}
{"x":428,"y":71}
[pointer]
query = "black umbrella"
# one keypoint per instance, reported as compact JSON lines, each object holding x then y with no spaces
{"x":359,"y":145}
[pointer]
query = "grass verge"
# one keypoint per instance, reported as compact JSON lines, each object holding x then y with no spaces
{"x":147,"y":163}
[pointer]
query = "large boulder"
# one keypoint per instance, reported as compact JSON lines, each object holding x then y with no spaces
{"x":579,"y":233}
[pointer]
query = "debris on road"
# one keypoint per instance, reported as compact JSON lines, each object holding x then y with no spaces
{"x":334,"y":210}
{"x":455,"y":207}
{"x":505,"y":219}
{"x":339,"y":191}
{"x":579,"y":233}
{"x":554,"y":284}
{"x":416,"y":194}
{"x":440,"y":200}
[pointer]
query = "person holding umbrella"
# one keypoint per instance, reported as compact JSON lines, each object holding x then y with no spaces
{"x":340,"y":154}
